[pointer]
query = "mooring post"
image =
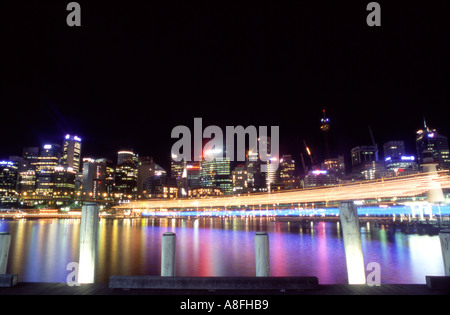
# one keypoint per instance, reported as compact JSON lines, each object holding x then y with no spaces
{"x":168,"y":245}
{"x":88,"y":242}
{"x":262,"y":257}
{"x":352,"y":242}
{"x":444,"y":236}
{"x":5,"y":242}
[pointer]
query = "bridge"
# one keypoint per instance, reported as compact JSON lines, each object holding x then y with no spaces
{"x":405,"y":188}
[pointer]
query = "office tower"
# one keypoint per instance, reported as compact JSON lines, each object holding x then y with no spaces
{"x":27,"y":184}
{"x":48,"y":160}
{"x":30,"y":155}
{"x":176,"y":167}
{"x":365,"y":163}
{"x":287,"y":172}
{"x":63,"y":184}
{"x":394,"y":149}
{"x":106,"y":179}
{"x":429,"y":140}
{"x":146,"y":169}
{"x":397,"y":161}
{"x":216,"y":173}
{"x":325,"y":127}
{"x":318,"y":178}
{"x":127,"y":157}
{"x":193,"y":174}
{"x":335,"y":166}
{"x":8,"y":182}
{"x":160,"y":186}
{"x":71,"y":152}
{"x":94,"y":183}
{"x":240,"y":179}
{"x":256,"y":180}
{"x":125,"y":176}
{"x":364,"y":154}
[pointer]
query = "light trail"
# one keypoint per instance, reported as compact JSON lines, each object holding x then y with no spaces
{"x":406,"y":186}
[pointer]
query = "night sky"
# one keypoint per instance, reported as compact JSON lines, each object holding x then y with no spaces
{"x":135,"y":70}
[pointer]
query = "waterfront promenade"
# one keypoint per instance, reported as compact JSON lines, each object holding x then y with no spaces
{"x":29,"y":288}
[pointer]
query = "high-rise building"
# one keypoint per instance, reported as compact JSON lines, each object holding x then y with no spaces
{"x":48,"y":160}
{"x":429,"y":140}
{"x":8,"y":182}
{"x":318,"y":178}
{"x":160,"y":186}
{"x":127,"y":157}
{"x":256,"y":180}
{"x":146,"y":169}
{"x":94,"y":184}
{"x":335,"y":166}
{"x":30,"y":155}
{"x":394,"y":149}
{"x":364,"y":154}
{"x":215,"y":172}
{"x":193,"y":174}
{"x":27,"y":184}
{"x":71,"y":152}
{"x":325,"y":127}
{"x":240,"y":179}
{"x":63,"y":185}
{"x":287,"y":172}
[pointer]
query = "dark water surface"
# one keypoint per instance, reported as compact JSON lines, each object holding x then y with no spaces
{"x":42,"y":249}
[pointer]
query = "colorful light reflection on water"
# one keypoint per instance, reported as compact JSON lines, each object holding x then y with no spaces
{"x":41,"y":249}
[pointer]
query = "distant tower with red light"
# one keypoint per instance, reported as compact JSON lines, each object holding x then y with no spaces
{"x":325,"y":127}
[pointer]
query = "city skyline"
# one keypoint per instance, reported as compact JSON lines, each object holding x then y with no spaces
{"x":319,"y":146}
{"x":126,"y":77}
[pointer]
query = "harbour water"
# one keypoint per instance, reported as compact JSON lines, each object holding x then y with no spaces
{"x":41,"y":249}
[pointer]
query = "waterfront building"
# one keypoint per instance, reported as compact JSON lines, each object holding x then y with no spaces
{"x":193,"y":174}
{"x":335,"y":166}
{"x":287,"y":178}
{"x":146,"y":169}
{"x":71,"y":152}
{"x":160,"y":186}
{"x":318,"y":178}
{"x":8,"y":183}
{"x":63,"y":185}
{"x":429,"y":140}
{"x":216,"y":173}
{"x":394,"y":149}
{"x":47,"y":161}
{"x":240,"y":179}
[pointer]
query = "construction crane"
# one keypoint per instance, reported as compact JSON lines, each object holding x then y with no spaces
{"x":309,"y":153}
{"x":373,"y":143}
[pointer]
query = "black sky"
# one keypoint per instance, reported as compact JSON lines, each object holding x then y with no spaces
{"x":135,"y":70}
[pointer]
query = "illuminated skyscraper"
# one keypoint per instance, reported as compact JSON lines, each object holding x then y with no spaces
{"x":47,"y":161}
{"x":240,"y":179}
{"x":127,"y":156}
{"x":428,"y":140}
{"x":325,"y":127}
{"x":71,"y":152}
{"x":146,"y":169}
{"x":126,"y":174}
{"x":216,"y":173}
{"x":394,"y":149}
{"x":8,"y":182}
{"x":287,"y":172}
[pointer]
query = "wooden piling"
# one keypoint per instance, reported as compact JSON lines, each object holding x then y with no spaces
{"x":5,"y":243}
{"x":352,"y":242}
{"x":88,"y":242}
{"x":444,"y":236}
{"x":168,"y":245}
{"x":262,"y":257}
